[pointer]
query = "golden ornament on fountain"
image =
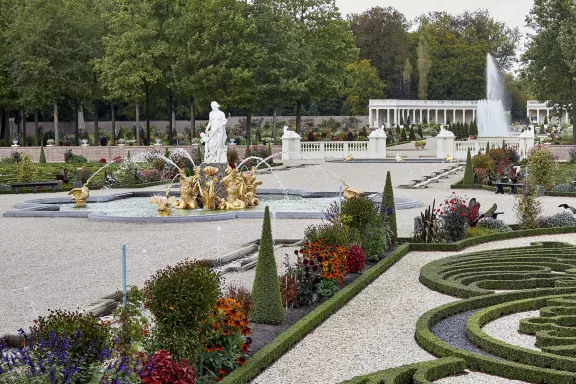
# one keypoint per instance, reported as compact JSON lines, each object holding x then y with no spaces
{"x":188,"y":192}
{"x":164,"y":204}
{"x":80,"y":195}
{"x":351,"y":192}
{"x":231,"y":183}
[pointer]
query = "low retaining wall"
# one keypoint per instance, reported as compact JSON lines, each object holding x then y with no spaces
{"x":95,"y":153}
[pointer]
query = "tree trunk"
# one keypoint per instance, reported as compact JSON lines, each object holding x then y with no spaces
{"x":23,"y":120}
{"x":113,"y":125}
{"x":298,"y":116}
{"x":96,"y":129}
{"x":192,"y":121}
{"x":171,"y":111}
{"x":248,"y":128}
{"x":39,"y":140}
{"x":137,"y":124}
{"x":147,"y":92}
{"x":274,"y":125}
{"x":3,"y":125}
{"x":76,"y":125}
{"x":573,"y":120}
{"x":56,"y":131}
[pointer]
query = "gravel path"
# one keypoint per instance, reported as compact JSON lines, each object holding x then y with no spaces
{"x":67,"y":263}
{"x":375,"y":330}
{"x":506,"y":329}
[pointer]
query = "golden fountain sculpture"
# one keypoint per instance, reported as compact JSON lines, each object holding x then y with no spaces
{"x":351,"y":192}
{"x":80,"y":195}
{"x":164,"y":204}
{"x":236,"y":190}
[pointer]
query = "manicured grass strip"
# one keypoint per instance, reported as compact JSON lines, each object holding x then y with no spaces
{"x":271,"y":352}
{"x":512,"y":370}
{"x":419,"y":373}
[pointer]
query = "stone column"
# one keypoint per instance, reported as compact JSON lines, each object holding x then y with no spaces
{"x":420,"y":115}
{"x":291,"y":146}
{"x":436,"y":120}
{"x":444,"y":144}
{"x":377,"y":117}
{"x":473,"y":114}
{"x":454,"y":115}
{"x":388,"y":118}
{"x":413,"y":116}
{"x":538,"y":116}
{"x":428,"y":115}
{"x":377,"y":145}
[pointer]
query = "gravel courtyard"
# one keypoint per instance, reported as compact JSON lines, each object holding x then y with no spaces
{"x":67,"y":263}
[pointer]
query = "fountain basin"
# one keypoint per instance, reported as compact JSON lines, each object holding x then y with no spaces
{"x":133,"y":207}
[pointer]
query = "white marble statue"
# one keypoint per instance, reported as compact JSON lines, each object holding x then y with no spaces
{"x":215,"y":136}
{"x":289,"y":133}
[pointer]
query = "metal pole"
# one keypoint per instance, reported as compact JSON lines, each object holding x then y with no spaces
{"x":340,"y":204}
{"x":123,"y":275}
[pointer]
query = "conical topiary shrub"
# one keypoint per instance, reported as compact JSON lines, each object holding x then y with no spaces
{"x":266,"y":289}
{"x":42,"y":155}
{"x":388,"y":207}
{"x":468,"y":171}
{"x":488,"y":148}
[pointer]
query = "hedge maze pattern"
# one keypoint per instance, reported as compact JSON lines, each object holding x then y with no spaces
{"x":539,"y":277}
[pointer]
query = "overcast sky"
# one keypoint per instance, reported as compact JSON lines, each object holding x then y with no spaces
{"x":512,"y":12}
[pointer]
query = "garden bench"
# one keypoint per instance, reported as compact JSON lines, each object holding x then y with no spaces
{"x":494,"y":215}
{"x":513,"y":187}
{"x":40,"y":184}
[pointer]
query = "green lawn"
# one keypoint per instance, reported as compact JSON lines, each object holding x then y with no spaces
{"x":563,"y":173}
{"x":47,"y":172}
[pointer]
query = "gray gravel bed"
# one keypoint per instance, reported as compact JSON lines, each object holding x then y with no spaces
{"x":452,"y":330}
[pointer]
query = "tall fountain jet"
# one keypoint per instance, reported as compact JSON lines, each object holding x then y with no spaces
{"x":490,"y":113}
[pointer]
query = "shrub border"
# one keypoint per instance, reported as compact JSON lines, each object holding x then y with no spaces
{"x":274,"y":350}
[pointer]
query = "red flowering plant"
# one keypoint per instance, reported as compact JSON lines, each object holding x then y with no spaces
{"x":224,"y":336}
{"x":102,"y":161}
{"x":503,"y":167}
{"x":355,"y":259}
{"x":161,"y":368}
{"x":455,"y":216}
{"x":327,"y":262}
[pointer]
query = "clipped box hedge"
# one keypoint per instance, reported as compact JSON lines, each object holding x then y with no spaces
{"x":419,"y":373}
{"x":508,"y":369}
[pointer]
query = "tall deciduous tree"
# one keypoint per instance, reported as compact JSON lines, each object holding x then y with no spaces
{"x":549,"y":71}
{"x":362,"y":84}
{"x":6,"y":14}
{"x":406,"y":78}
{"x":382,"y":36}
{"x":130,"y":67}
{"x":52,"y":43}
{"x":458,"y":47}
{"x":424,"y":64}
{"x":325,"y":46}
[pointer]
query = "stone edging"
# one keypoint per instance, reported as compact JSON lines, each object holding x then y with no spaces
{"x":46,"y":208}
